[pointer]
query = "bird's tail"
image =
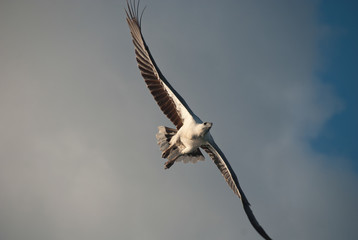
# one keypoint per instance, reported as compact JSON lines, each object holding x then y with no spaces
{"x":164,"y":136}
{"x":172,"y":152}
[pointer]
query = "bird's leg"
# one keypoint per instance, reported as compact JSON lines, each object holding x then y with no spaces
{"x":172,"y":152}
{"x":172,"y":143}
{"x":166,"y":152}
{"x":173,"y":155}
{"x":168,"y":164}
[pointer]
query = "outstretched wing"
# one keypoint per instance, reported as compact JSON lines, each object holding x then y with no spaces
{"x":224,"y":166}
{"x":169,"y":101}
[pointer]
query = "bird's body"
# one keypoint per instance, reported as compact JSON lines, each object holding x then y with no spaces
{"x":185,"y":142}
{"x":191,"y":137}
{"x":191,"y":133}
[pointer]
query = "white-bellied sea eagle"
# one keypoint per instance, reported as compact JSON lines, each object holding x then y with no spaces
{"x":191,"y":134}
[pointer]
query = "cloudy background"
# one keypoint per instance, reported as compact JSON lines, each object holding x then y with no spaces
{"x":78,"y":156}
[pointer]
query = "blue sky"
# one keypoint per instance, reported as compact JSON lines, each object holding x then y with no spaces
{"x":78,"y":154}
{"x":339,"y":134}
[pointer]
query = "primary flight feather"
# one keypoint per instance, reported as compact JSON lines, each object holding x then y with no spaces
{"x":191,"y":134}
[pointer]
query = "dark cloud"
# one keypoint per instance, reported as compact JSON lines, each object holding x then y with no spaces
{"x":78,"y":156}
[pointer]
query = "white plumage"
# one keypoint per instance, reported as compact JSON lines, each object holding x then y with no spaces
{"x":191,"y":134}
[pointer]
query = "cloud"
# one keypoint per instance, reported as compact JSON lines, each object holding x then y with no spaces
{"x":78,"y":153}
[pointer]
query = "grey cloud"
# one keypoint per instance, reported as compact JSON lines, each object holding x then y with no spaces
{"x":78,"y":157}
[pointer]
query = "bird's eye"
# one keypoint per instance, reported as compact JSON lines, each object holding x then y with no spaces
{"x":205,"y":123}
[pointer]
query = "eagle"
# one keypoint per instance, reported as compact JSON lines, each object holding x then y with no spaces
{"x":191,"y":134}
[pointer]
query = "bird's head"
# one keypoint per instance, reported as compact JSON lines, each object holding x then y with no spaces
{"x":206,"y":126}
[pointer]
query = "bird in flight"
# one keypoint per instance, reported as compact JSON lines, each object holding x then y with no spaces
{"x":182,"y":143}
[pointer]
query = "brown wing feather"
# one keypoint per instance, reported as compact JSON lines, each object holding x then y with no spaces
{"x":168,"y":103}
{"x":230,"y":177}
{"x":156,"y":82}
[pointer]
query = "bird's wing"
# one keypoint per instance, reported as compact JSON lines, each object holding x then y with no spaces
{"x":169,"y":101}
{"x":224,"y":166}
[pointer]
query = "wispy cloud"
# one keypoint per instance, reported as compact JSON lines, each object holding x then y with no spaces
{"x":78,"y":156}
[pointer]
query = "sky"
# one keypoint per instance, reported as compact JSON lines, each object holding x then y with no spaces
{"x":78,"y":154}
